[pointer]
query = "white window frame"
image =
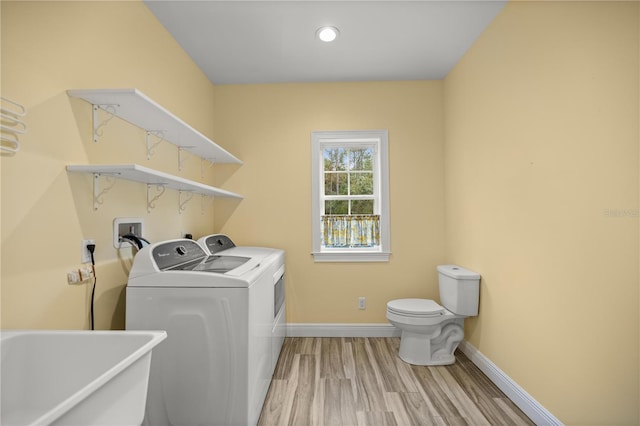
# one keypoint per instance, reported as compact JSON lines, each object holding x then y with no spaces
{"x":322,"y":139}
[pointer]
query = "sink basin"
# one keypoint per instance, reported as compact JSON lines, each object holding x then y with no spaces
{"x":75,"y":377}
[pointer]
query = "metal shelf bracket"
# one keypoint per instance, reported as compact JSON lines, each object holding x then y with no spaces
{"x":189,"y":196}
{"x":204,"y":164}
{"x":180,"y":159}
{"x":151,"y":200}
{"x":159,"y":134}
{"x":97,"y":193}
{"x":97,"y":125}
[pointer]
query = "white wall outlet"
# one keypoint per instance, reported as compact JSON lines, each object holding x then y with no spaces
{"x":362,"y":303}
{"x":85,"y":254}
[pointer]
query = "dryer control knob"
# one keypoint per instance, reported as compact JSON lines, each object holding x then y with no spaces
{"x":181,"y":250}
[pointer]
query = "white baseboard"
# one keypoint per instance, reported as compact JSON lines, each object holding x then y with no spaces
{"x":532,"y":408}
{"x":342,"y":330}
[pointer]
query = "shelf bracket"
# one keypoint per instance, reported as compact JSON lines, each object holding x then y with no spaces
{"x":204,"y":163}
{"x":181,"y":207}
{"x":160,"y":188}
{"x":97,"y":125}
{"x":150,"y":146}
{"x":180,"y":159}
{"x":205,"y":201}
{"x":97,"y":194}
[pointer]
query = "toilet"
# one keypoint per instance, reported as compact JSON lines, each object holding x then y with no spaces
{"x":430,"y":332}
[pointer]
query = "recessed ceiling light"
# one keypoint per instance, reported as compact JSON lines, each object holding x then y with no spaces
{"x":327,"y":34}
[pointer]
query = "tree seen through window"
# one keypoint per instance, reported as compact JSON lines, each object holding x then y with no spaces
{"x":348,"y":181}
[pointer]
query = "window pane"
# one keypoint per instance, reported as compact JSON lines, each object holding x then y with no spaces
{"x":336,"y":207}
{"x":362,"y":183}
{"x":335,"y":184}
{"x":362,"y":207}
{"x":361,"y":159}
{"x":335,"y":159}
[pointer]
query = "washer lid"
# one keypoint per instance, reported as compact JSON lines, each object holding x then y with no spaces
{"x":415,"y":307}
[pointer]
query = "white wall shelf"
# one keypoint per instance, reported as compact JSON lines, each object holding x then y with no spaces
{"x":136,"y":108}
{"x":151,"y":178}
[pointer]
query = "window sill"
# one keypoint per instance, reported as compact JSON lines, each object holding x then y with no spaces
{"x":351,"y":256}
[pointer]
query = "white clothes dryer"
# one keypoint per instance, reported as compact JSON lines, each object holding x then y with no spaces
{"x":220,"y":244}
{"x":217,"y":361}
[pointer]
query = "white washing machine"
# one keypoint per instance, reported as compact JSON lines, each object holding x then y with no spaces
{"x":218,"y":310}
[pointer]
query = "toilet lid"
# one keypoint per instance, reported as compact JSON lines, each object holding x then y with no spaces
{"x":415,"y":307}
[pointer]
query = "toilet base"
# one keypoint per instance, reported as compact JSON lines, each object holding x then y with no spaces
{"x":434,"y":345}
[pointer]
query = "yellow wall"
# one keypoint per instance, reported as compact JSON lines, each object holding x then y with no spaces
{"x":541,"y":172}
{"x":540,"y":120}
{"x":269,"y":127}
{"x":47,"y":48}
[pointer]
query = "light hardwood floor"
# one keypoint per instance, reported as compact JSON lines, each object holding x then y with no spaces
{"x":361,"y":381}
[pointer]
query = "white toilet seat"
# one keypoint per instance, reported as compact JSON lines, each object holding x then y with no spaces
{"x":415,"y":308}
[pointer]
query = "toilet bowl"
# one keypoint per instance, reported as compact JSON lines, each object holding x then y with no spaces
{"x":431,"y":332}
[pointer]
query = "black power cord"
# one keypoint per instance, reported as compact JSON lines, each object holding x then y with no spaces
{"x":92,"y":248}
{"x":134,"y":240}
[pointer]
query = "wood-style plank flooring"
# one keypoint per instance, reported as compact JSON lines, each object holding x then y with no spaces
{"x":361,"y":381}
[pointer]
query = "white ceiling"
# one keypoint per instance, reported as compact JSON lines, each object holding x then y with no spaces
{"x":244,"y":42}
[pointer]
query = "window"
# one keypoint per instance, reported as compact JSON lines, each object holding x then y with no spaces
{"x":350,"y":196}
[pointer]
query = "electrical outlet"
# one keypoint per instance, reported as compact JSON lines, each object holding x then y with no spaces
{"x":362,"y":303}
{"x":85,"y":254}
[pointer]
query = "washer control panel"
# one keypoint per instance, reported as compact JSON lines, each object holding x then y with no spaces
{"x":176,"y":253}
{"x":216,"y":243}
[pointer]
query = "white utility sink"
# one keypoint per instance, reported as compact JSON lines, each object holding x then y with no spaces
{"x":75,"y":377}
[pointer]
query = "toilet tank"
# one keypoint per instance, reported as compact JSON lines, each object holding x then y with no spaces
{"x":459,"y":289}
